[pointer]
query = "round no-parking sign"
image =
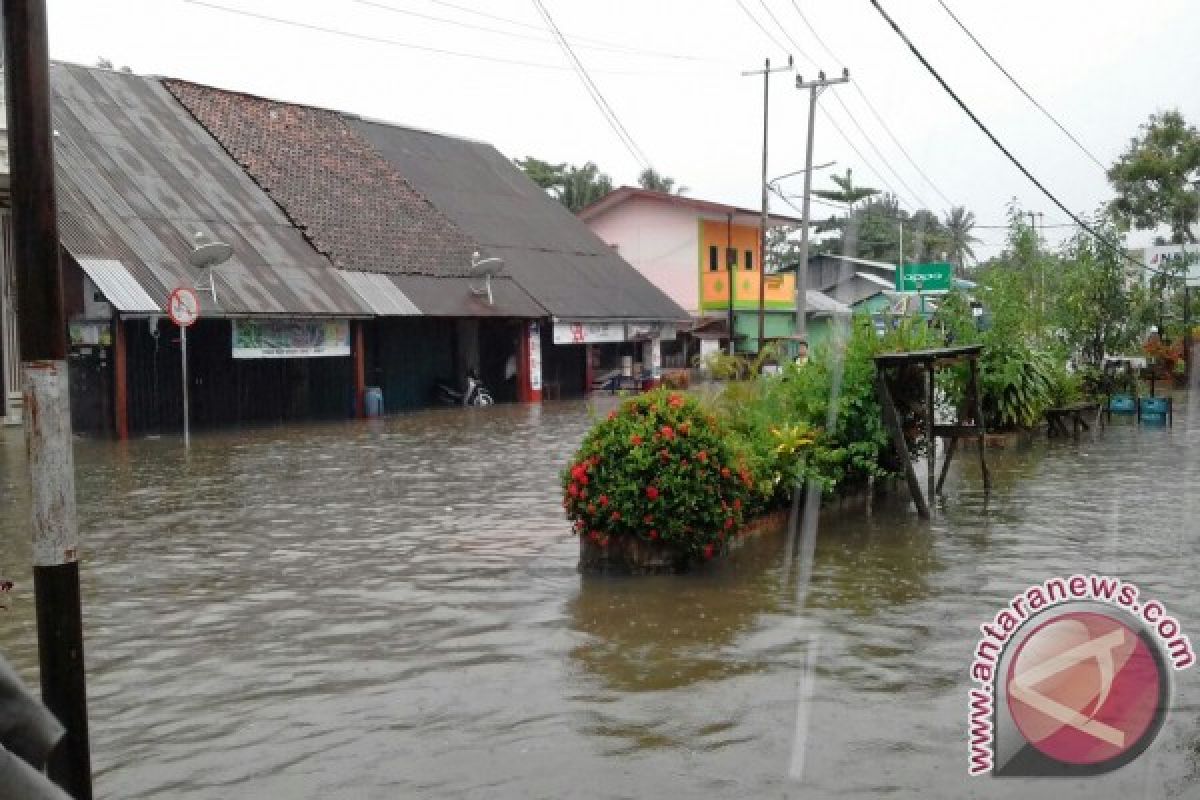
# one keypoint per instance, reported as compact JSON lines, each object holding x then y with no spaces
{"x":183,"y":307}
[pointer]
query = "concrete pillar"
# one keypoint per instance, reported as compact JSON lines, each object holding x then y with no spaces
{"x":652,"y":358}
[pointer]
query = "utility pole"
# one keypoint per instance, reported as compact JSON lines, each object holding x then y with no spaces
{"x":815,"y":88}
{"x":43,"y":345}
{"x":762,"y":238}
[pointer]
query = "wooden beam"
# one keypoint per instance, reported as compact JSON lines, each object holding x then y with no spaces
{"x":950,"y":448}
{"x":892,"y":420}
{"x":360,"y":370}
{"x":977,"y":401}
{"x":120,"y":381}
{"x":931,"y":440}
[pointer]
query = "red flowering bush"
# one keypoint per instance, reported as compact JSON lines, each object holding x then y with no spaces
{"x":659,"y":469}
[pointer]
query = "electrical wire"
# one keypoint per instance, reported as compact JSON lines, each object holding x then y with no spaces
{"x":597,"y":96}
{"x":761,"y":27}
{"x":877,"y":152}
{"x":362,"y":37}
{"x":798,"y":49}
{"x":579,"y":42}
{"x":1021,"y":88}
{"x":874,"y":111}
{"x":575,"y":37}
{"x":878,"y":176}
{"x":966,"y":109}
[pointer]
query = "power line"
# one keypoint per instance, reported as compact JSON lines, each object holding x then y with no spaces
{"x":871,"y":107}
{"x":613,"y":120}
{"x":864,"y":160}
{"x":799,"y":50}
{"x":1102,"y":240}
{"x":761,"y":27}
{"x":875,"y":149}
{"x":581,"y":42}
{"x":362,"y":37}
{"x":1021,"y":88}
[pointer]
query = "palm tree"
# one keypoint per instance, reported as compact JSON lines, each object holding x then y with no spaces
{"x":583,"y":186}
{"x":651,"y":180}
{"x":958,"y":226}
{"x":846,"y":192}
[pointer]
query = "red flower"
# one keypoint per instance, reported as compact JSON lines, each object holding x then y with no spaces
{"x":653,"y":534}
{"x":728,"y":523}
{"x":667,"y":432}
{"x":652,"y":492}
{"x":583,"y":493}
{"x":612,"y":415}
{"x":664,"y":455}
{"x":616,"y":515}
{"x":737,"y":504}
{"x":675,"y":401}
{"x":603,"y":500}
{"x":583,"y":479}
{"x":703,"y":456}
{"x":573,"y":490}
{"x":635,"y":440}
{"x":648,"y":519}
{"x":594,"y":536}
{"x":725,"y":473}
{"x":708,"y":551}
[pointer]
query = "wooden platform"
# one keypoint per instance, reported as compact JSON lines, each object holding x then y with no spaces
{"x":1077,"y":414}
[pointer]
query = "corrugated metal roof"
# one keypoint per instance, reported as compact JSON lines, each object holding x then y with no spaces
{"x":823,"y":303}
{"x":457,"y":297}
{"x":138,"y":177}
{"x":380,"y":294}
{"x":547,"y":250}
{"x":118,"y":286}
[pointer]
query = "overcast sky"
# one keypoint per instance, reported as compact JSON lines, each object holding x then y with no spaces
{"x":670,"y":70}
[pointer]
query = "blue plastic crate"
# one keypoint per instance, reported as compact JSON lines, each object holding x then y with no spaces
{"x":1122,"y":404}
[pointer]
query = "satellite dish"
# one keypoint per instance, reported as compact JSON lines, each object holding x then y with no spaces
{"x":485,"y":268}
{"x":207,"y":254}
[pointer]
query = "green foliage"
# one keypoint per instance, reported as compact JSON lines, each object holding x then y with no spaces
{"x":1017,"y":384}
{"x":574,"y":187}
{"x":651,"y":179}
{"x":661,"y":469}
{"x":1153,"y":177}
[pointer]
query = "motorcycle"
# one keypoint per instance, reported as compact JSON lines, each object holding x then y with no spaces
{"x":476,"y":393}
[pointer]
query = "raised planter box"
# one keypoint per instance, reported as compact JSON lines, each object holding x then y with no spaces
{"x":633,"y":556}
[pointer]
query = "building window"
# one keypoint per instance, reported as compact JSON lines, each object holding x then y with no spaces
{"x":712,"y":258}
{"x":731,"y":258}
{"x":749,"y":261}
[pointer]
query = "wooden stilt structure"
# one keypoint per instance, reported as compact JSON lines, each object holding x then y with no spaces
{"x":969,"y":424}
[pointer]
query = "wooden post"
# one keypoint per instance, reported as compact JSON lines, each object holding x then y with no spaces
{"x":120,"y":382}
{"x":977,"y":400}
{"x":931,"y":440}
{"x":360,"y":370}
{"x":588,"y":371}
{"x":892,"y":420}
{"x":43,"y":349}
{"x":950,"y":448}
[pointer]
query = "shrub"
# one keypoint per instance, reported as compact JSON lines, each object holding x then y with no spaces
{"x":660,"y":468}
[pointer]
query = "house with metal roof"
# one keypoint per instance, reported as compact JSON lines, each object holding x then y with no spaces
{"x":550,"y":260}
{"x":358,"y":259}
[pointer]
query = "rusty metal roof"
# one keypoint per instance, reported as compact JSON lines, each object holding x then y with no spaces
{"x":138,"y":177}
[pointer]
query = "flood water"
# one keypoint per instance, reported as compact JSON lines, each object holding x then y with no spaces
{"x":390,"y":609}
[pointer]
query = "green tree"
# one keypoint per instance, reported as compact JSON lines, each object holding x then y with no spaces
{"x":1095,"y":312}
{"x":846,"y":192}
{"x":958,"y":228}
{"x":574,"y":187}
{"x":651,"y":180}
{"x":1153,"y":178}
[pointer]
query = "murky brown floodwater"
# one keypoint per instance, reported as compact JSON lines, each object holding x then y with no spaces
{"x":391,"y":610}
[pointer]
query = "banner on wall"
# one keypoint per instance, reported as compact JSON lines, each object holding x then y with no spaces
{"x":292,"y":338}
{"x":535,"y":356}
{"x":588,"y":332}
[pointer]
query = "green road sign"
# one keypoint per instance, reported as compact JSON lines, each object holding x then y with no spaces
{"x":937,"y":277}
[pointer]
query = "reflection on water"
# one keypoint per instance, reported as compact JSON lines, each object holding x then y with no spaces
{"x":391,"y":609}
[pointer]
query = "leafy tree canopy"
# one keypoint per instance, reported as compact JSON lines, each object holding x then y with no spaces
{"x":1153,"y":178}
{"x":650,"y":179}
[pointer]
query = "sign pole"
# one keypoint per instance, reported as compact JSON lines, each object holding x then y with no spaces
{"x":187,"y":439}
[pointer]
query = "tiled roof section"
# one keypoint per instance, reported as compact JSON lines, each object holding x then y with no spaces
{"x":353,"y":205}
